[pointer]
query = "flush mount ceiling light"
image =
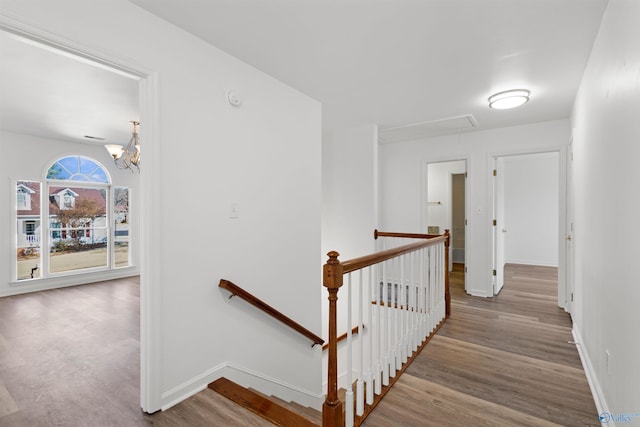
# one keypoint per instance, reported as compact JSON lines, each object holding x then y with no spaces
{"x":508,"y":99}
{"x":127,"y":157}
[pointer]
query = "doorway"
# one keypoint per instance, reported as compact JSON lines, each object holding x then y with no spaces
{"x":446,"y":210}
{"x":526,"y":206}
{"x":145,"y":88}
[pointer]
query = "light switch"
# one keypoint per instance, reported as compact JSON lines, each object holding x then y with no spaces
{"x":234,"y":210}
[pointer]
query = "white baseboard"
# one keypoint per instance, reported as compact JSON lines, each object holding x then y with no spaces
{"x":479,"y":293}
{"x":530,"y":262}
{"x":594,"y":385}
{"x":73,"y":279}
{"x":246,"y":378}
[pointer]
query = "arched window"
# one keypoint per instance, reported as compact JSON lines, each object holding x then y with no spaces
{"x":82,"y":220}
{"x":78,"y":168}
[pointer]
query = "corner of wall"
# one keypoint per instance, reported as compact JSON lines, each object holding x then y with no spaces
{"x":590,"y":372}
{"x":246,"y":378}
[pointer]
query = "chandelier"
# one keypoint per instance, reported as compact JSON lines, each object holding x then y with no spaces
{"x":127,"y":157}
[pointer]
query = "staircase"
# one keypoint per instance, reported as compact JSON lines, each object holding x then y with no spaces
{"x":402,"y":296}
{"x":273,"y":409}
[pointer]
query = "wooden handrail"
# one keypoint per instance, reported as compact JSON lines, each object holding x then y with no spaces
{"x":377,"y":234}
{"x":354,"y":331}
{"x":367,"y":260}
{"x":258,"y":303}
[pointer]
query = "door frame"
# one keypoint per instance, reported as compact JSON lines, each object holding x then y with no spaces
{"x":499,"y":227}
{"x":568,"y":294}
{"x":150,"y":297}
{"x":424,"y":196}
{"x":562,"y":212}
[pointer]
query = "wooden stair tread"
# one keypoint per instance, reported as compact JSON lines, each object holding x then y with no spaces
{"x":259,"y":404}
{"x":312,"y":414}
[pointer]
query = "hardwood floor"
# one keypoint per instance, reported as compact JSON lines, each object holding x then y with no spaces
{"x":497,"y":361}
{"x":70,"y":357}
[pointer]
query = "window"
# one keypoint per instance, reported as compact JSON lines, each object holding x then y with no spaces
{"x":121,"y":226}
{"x":79,"y":238}
{"x":69,"y":201}
{"x":23,"y":197}
{"x":30,"y":228}
{"x":88,"y":221}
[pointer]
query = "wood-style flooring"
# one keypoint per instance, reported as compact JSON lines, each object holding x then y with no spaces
{"x":502,"y":361}
{"x":70,"y":357}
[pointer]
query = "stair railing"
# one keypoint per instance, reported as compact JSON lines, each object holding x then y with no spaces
{"x":403,"y":298}
{"x":261,"y":305}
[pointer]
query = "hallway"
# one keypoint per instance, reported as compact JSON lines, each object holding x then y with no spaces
{"x":499,"y":361}
{"x":70,"y":357}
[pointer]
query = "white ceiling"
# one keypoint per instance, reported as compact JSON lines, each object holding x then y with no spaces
{"x":49,"y":93}
{"x":400,"y":62}
{"x":389,"y":62}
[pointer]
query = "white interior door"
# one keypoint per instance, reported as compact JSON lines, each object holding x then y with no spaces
{"x":499,"y":229}
{"x":569,"y":236}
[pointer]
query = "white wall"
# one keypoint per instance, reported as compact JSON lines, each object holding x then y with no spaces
{"x":350,"y":191}
{"x":531,"y":209}
{"x":349,"y":204}
{"x":265,"y":156}
{"x":27,"y":157}
{"x":606,"y":135}
{"x":403,"y":169}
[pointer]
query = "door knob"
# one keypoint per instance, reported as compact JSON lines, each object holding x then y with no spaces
{"x":568,"y":236}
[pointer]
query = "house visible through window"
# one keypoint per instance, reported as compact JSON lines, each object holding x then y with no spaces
{"x":29,"y":228}
{"x":23,"y":198}
{"x":86,"y":226}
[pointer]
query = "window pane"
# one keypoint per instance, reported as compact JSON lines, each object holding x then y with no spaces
{"x":78,"y":228}
{"x":28,"y":230}
{"x":121,"y":226}
{"x":78,"y":168}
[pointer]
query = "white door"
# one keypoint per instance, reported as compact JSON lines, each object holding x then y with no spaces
{"x":499,"y":228}
{"x":569,"y":236}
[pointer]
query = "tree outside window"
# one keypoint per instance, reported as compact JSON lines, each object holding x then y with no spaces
{"x":88,"y":221}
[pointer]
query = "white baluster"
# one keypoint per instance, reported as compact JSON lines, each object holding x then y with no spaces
{"x":428,"y":303}
{"x":421,"y":283}
{"x":392,"y":318}
{"x":434,"y":292}
{"x":443,"y":272}
{"x":384,"y":336}
{"x":398,"y":316}
{"x":410,"y":312}
{"x":402,"y":348}
{"x":425,"y":297}
{"x":378,"y":289}
{"x":369,"y":335}
{"x":360,"y":383}
{"x":428,"y":293}
{"x":348,"y":412}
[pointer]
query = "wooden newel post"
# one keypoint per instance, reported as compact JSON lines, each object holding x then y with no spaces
{"x":447,"y":294}
{"x":332,"y":412}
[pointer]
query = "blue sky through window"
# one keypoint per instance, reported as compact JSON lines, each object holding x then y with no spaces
{"x":78,"y":168}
